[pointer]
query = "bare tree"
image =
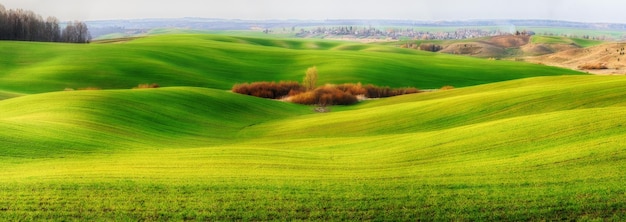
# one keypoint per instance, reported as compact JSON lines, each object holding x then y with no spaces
{"x":4,"y":23}
{"x":76,"y":32}
{"x":24,"y":25}
{"x":53,"y":30}
{"x":83,"y":32}
{"x":69,"y":33}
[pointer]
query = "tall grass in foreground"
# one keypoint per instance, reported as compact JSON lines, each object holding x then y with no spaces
{"x":269,"y":200}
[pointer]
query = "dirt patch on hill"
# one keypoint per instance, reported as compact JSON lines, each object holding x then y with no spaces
{"x":537,"y":49}
{"x":609,"y":55}
{"x":493,"y":47}
{"x":543,"y":49}
{"x":509,"y":41}
{"x":476,"y":49}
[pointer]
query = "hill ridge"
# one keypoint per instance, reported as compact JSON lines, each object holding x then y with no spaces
{"x":499,"y":146}
{"x":213,"y":61}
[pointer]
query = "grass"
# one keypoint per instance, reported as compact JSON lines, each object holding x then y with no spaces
{"x":477,"y":153}
{"x":540,"y":148}
{"x":7,"y":95}
{"x":91,"y":121}
{"x":599,"y":33}
{"x":216,"y":61}
{"x":564,"y":40}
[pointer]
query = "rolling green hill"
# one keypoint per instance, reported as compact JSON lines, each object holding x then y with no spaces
{"x":500,"y":47}
{"x":564,"y":40}
{"x":540,"y":148}
{"x":50,"y":124}
{"x":216,"y":61}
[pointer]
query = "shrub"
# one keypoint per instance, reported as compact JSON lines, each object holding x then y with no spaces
{"x":89,"y":88}
{"x":593,"y":66}
{"x":430,"y":47}
{"x":375,"y":91}
{"x":147,"y":86}
{"x":325,"y":96}
{"x":410,"y":90}
{"x":447,"y":87}
{"x":382,"y":92}
{"x":270,"y":90}
{"x":354,"y":89}
{"x":372,"y":91}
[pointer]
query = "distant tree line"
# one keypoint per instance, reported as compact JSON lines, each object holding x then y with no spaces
{"x":25,"y":25}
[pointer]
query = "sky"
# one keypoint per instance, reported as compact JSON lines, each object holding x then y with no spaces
{"x":613,"y":11}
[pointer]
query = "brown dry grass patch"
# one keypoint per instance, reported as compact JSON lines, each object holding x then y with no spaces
{"x":594,"y":66}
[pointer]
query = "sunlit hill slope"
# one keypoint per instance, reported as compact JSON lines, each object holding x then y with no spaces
{"x":220,"y":61}
{"x":505,"y":147}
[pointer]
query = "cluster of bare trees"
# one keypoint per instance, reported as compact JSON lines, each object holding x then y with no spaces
{"x":24,"y":25}
{"x":76,"y":32}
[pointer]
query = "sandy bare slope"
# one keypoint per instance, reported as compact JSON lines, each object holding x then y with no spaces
{"x":610,"y":55}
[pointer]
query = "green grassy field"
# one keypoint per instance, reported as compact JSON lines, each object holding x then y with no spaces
{"x":538,"y":148}
{"x":610,"y":34}
{"x":216,"y":61}
{"x":564,"y":40}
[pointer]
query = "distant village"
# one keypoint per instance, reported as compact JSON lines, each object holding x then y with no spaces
{"x":414,"y":34}
{"x":396,"y":33}
{"x":361,"y":29}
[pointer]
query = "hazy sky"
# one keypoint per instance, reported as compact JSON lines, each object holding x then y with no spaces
{"x":569,"y":10}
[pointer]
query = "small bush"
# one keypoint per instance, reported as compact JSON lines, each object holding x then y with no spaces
{"x":325,"y":96}
{"x":430,"y":47}
{"x":410,"y":90}
{"x":354,"y":89}
{"x":147,"y":86}
{"x":270,"y":90}
{"x":593,"y":66}
{"x":447,"y":87}
{"x":383,"y":92}
{"x":372,"y":91}
{"x":89,"y":88}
